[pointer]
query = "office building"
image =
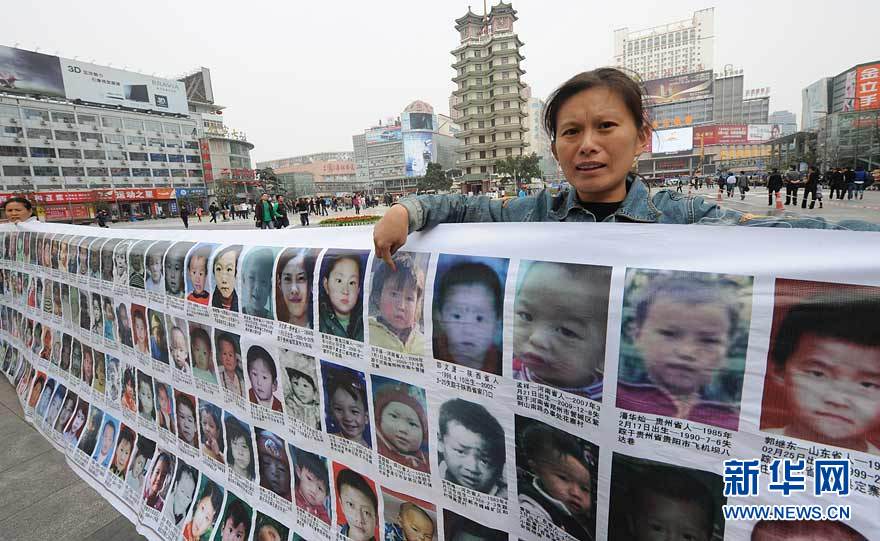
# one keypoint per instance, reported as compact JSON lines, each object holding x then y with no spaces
{"x":786,"y":120}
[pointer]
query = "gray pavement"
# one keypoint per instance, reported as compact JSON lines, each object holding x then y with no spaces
{"x":40,"y":496}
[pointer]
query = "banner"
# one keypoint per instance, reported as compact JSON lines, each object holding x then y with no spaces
{"x":560,"y":381}
{"x":27,"y":72}
{"x":692,"y":86}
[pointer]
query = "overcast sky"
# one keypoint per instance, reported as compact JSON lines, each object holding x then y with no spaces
{"x":302,"y":77}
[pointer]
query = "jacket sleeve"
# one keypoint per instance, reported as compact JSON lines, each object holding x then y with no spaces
{"x":430,"y":210}
{"x":708,"y":213}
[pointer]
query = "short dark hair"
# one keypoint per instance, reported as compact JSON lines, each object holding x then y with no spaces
{"x":675,"y":483}
{"x":256,"y":353}
{"x":842,"y":316}
{"x":293,"y":373}
{"x":239,"y":515}
{"x":18,"y":199}
{"x":408,"y":274}
{"x":226,"y":336}
{"x":313,"y":463}
{"x":688,"y":288}
{"x":199,"y":333}
{"x":356,"y":481}
{"x":125,"y":434}
{"x":185,"y":400}
{"x":541,"y":441}
{"x":215,"y":494}
{"x":477,"y":419}
{"x":613,"y":79}
{"x":470,"y":273}
{"x":454,"y":523}
{"x":346,"y":380}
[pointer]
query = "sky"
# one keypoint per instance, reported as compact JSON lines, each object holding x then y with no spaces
{"x":301,"y":77}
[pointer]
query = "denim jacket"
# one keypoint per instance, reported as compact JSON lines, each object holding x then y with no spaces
{"x":639,"y":206}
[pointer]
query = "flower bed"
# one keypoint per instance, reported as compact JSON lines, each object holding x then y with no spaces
{"x":364,"y":219}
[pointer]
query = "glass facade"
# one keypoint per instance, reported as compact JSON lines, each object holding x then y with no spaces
{"x":850,"y":140}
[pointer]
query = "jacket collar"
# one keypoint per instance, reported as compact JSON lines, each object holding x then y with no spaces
{"x":636,"y":206}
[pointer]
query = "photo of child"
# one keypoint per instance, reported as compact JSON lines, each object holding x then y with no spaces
{"x":401,"y":418}
{"x":460,"y":528}
{"x":274,"y":464}
{"x":345,"y":402}
{"x":174,"y":268}
{"x":137,"y":468}
{"x":239,"y":447}
{"x":66,"y":412}
{"x":804,"y":530}
{"x":77,"y":422}
{"x":823,"y":372}
{"x":109,"y":318}
{"x":683,"y":345}
{"x":146,"y":401}
{"x":556,"y":477}
{"x":89,"y":439}
{"x":256,"y":282}
{"x":83,"y":256}
{"x":300,"y":381}
{"x":129,"y":388}
{"x":54,"y":404}
{"x":185,"y":413}
{"x":229,"y":361}
{"x":312,"y":484}
{"x":396,"y":303}
{"x":467,"y":311}
{"x":98,"y":381}
{"x":200,"y":353}
{"x":182,"y":492}
{"x":197,"y":277}
{"x":123,"y":325}
{"x":104,"y":449}
{"x":158,"y":482}
{"x":471,"y":448}
{"x":122,"y":454}
{"x":136,"y":256}
{"x":112,"y":385}
{"x":651,"y":500}
{"x":559,"y":326}
{"x":211,"y":431}
{"x":179,"y":345}
{"x":141,"y":329}
{"x":158,"y":338}
{"x":224,"y":266}
{"x":267,"y":528}
{"x":107,"y":263}
{"x":164,"y":406}
{"x":357,"y":507}
{"x":407,"y":518}
{"x":44,"y":397}
{"x":341,"y":295}
{"x":155,"y":278}
{"x":293,"y":286}
{"x":235,"y":523}
{"x":88,"y":366}
{"x":76,"y":359}
{"x":263,"y":378}
{"x":120,"y":262}
{"x":207,"y":507}
{"x":84,"y":304}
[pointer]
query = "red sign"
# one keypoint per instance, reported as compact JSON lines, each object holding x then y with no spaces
{"x":54,"y":198}
{"x":671,"y":164}
{"x":135,"y":194}
{"x":338,"y":168}
{"x":721,"y":134}
{"x":868,"y":87}
{"x":65,"y":212}
{"x":205,"y":151}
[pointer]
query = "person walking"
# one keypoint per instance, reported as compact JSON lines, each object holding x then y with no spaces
{"x":792,"y":184}
{"x":213,"y":208}
{"x":742,"y":183}
{"x":811,"y":187}
{"x":356,"y":202}
{"x":102,"y":217}
{"x":184,"y":215}
{"x":199,"y":212}
{"x":264,"y":213}
{"x":302,"y":207}
{"x":730,"y":183}
{"x":281,"y":220}
{"x":849,"y":180}
{"x":774,"y":184}
{"x":861,"y":182}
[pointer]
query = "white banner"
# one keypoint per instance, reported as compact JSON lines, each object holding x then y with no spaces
{"x":517,"y":381}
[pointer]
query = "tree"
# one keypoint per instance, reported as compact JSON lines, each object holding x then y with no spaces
{"x":225,"y":190}
{"x":519,"y":168}
{"x":268,"y":180}
{"x":434,"y":179}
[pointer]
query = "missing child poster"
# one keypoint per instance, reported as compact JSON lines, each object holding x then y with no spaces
{"x":556,"y":381}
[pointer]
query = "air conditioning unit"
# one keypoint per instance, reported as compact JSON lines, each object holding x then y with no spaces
{"x":98,"y":145}
{"x":54,"y":179}
{"x":143,"y":147}
{"x":18,"y":139}
{"x":96,"y":128}
{"x":101,"y":162}
{"x":140,"y":132}
{"x":22,"y":160}
{"x":44,"y":123}
{"x":104,"y":179}
{"x":121,"y":146}
{"x":145,"y":163}
{"x":77,"y":161}
{"x":50,"y":160}
{"x":118,"y":130}
{"x":13,"y":121}
{"x":80,"y":179}
{"x":45,"y":140}
{"x":69,"y":125}
{"x":124,"y":162}
{"x":73,"y":143}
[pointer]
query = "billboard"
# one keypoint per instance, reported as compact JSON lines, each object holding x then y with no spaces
{"x":108,"y":86}
{"x":868,"y":87}
{"x":721,"y":134}
{"x":27,"y":72}
{"x":692,"y":86}
{"x":383,"y":134}
{"x":418,"y":121}
{"x":761,"y":133}
{"x":849,"y":92}
{"x":674,"y":140}
{"x":418,"y":152}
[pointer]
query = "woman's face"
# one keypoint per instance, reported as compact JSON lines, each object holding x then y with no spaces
{"x":294,"y":284}
{"x":349,"y":414}
{"x":96,"y":309}
{"x":119,"y":258}
{"x":78,"y":421}
{"x":343,"y":286}
{"x":596,"y":143}
{"x":17,"y":212}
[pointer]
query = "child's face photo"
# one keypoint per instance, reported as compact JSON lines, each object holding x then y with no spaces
{"x":174,"y":273}
{"x":304,"y":390}
{"x":559,"y":336}
{"x":178,"y":348}
{"x":683,"y":345}
{"x":349,"y":414}
{"x":107,"y":438}
{"x":203,"y":516}
{"x":164,"y":399}
{"x":416,"y":524}
{"x":241,"y":453}
{"x":140,"y":329}
{"x":662,"y":517}
{"x":224,"y":273}
{"x":123,"y":452}
{"x":359,"y":511}
{"x":198,"y":273}
{"x":154,"y":268}
{"x":294,"y":285}
{"x":833,"y":389}
{"x":268,"y":533}
{"x":145,"y":397}
{"x":183,"y":493}
{"x":201,"y":353}
{"x":343,"y":286}
{"x":310,"y":486}
{"x":402,"y":428}
{"x":567,"y":481}
{"x":399,"y":305}
{"x":470,"y":322}
{"x":256,"y":281}
{"x":232,"y":531}
{"x":467,"y":457}
{"x":186,"y":423}
{"x":227,"y":356}
{"x":262,"y":382}
{"x":210,"y":430}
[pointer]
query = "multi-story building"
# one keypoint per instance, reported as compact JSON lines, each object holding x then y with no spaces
{"x":816,"y":103}
{"x":297,"y":184}
{"x":537,"y":139}
{"x":676,"y":48}
{"x":489,"y":83}
{"x":75,"y":137}
{"x":341,"y":156}
{"x":786,"y":120}
{"x":328,"y":177}
{"x":390,"y":158}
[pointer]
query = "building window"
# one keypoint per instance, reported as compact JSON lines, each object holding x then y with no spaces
{"x":91,"y":136}
{"x":16,"y":170}
{"x":178,"y":172}
{"x":37,"y":152}
{"x":137,"y":156}
{"x":94,"y":154}
{"x":482,"y":169}
{"x":194,"y":173}
{"x":140,"y":172}
{"x":172,"y":128}
{"x":116,"y":155}
{"x":111,"y":122}
{"x":114,"y":139}
{"x":137,"y":140}
{"x":66,"y":135}
{"x":73,"y":172}
{"x":152,"y":125}
{"x":192,"y":145}
{"x":158,"y":157}
{"x":45,"y":171}
{"x":508,"y":152}
{"x":133,"y":124}
{"x":37,"y":133}
{"x":119,"y":172}
{"x":87,"y":120}
{"x":156,"y":142}
{"x":161,"y":173}
{"x":58,"y":116}
{"x":10,"y":131}
{"x":193,"y":159}
{"x":177,"y":158}
{"x":36,"y":114}
{"x":70,"y":153}
{"x":96,"y":171}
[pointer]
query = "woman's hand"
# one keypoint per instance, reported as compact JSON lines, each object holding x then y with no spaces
{"x":389,"y":234}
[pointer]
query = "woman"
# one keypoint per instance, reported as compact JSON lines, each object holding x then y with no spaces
{"x":19,"y":210}
{"x":293,"y":287}
{"x":598,"y":128}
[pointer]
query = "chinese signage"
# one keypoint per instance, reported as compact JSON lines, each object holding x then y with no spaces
{"x":867,"y":87}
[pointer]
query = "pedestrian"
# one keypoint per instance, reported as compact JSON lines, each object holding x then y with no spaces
{"x":604,"y":191}
{"x":19,"y":210}
{"x":849,"y":180}
{"x":774,"y":184}
{"x":265,"y":212}
{"x":281,"y":220}
{"x":102,"y":218}
{"x":792,"y":184}
{"x":742,"y":183}
{"x":199,"y":212}
{"x":303,"y":208}
{"x":356,"y":202}
{"x":184,"y":215}
{"x":861,"y":182}
{"x":213,"y":208}
{"x":730,"y":183}
{"x":811,"y":187}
